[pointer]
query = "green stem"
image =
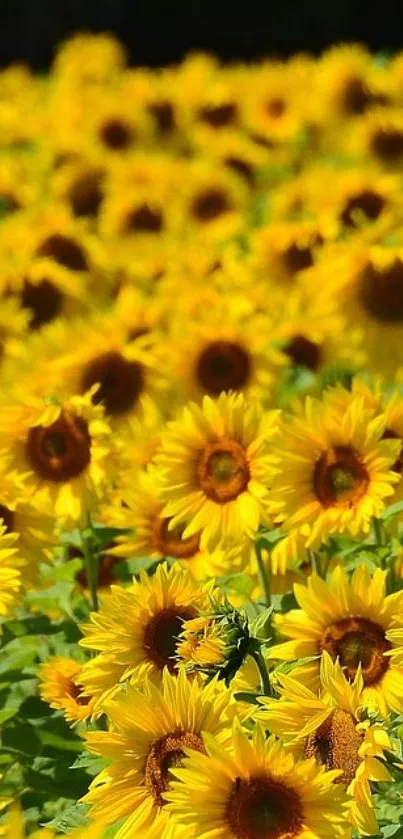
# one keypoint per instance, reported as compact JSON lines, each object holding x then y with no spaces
{"x":378,"y":531}
{"x":315,"y":562}
{"x":92,"y":566}
{"x":263,"y":673}
{"x":264,"y":576}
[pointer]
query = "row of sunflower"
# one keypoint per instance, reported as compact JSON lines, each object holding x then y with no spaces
{"x":201,"y":431}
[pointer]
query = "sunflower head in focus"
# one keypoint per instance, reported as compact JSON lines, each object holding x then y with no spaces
{"x":256,"y":789}
{"x":354,"y":621}
{"x":332,"y":473}
{"x":212,"y":469}
{"x":155,"y":608}
{"x":332,"y":728}
{"x":151,"y":731}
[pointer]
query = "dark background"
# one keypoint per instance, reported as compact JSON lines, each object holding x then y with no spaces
{"x":163,"y":31}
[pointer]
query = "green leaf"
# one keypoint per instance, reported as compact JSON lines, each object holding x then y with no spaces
{"x":260,"y":626}
{"x":252,"y":698}
{"x":237,"y":583}
{"x":92,"y":764}
{"x":392,"y":510}
{"x":72,"y":817}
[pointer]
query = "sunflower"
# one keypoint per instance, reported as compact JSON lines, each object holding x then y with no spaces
{"x":348,"y":83}
{"x":363,"y":201}
{"x":354,"y":621}
{"x":138,"y":511}
{"x":255,"y":789}
{"x":226,"y":351}
{"x":150,"y":732}
{"x":212,"y":469}
{"x":155,"y":608}
{"x":309,"y":330}
{"x":333,"y":729}
{"x":123,"y":373}
{"x":281,"y":251}
{"x":59,"y":687}
{"x":273,"y":107}
{"x":10,"y":577}
{"x":332,"y":474}
{"x":63,"y":451}
{"x":378,"y":137}
{"x":89,"y":59}
{"x":367,"y":282}
{"x":214,"y":201}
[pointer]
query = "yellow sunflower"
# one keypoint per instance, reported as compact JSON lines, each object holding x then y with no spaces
{"x":332,"y":474}
{"x":353,"y":621}
{"x":123,"y":372}
{"x":10,"y":577}
{"x":255,"y":789}
{"x":62,"y":450}
{"x":151,"y":729}
{"x":226,"y":351}
{"x":333,"y":729}
{"x":138,"y":510}
{"x":212,"y":469}
{"x":367,"y":282}
{"x":59,"y":687}
{"x":155,"y":608}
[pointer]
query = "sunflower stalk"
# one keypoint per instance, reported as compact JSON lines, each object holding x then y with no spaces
{"x":263,"y":672}
{"x":91,"y":559}
{"x":263,"y":574}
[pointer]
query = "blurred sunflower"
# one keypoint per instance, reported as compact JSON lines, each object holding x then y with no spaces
{"x":62,"y":451}
{"x":58,"y":686}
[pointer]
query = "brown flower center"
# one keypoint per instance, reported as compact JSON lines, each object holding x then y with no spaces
{"x":64,"y":251}
{"x":121,"y":382}
{"x":44,"y":300}
{"x":161,"y":635}
{"x":170,"y":542}
{"x":223,"y":471}
{"x":356,"y":97}
{"x":241,"y":167}
{"x":74,"y":691}
{"x":387,"y":143}
{"x":276,"y":107}
{"x":219,"y":115}
{"x":335,"y":744}
{"x":297,"y":258}
{"x":167,"y":753}
{"x":164,"y":115}
{"x":116,"y":134}
{"x":210,"y":204}
{"x":60,"y":451}
{"x":223,"y":365}
{"x":381,"y":291}
{"x":367,"y":202}
{"x":340,"y":478}
{"x":8,"y":518}
{"x":143,"y":219}
{"x":86,"y":194}
{"x":263,"y":808}
{"x":358,"y":641}
{"x":303,"y":352}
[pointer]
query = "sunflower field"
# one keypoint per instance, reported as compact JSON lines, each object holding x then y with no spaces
{"x":201,"y":447}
